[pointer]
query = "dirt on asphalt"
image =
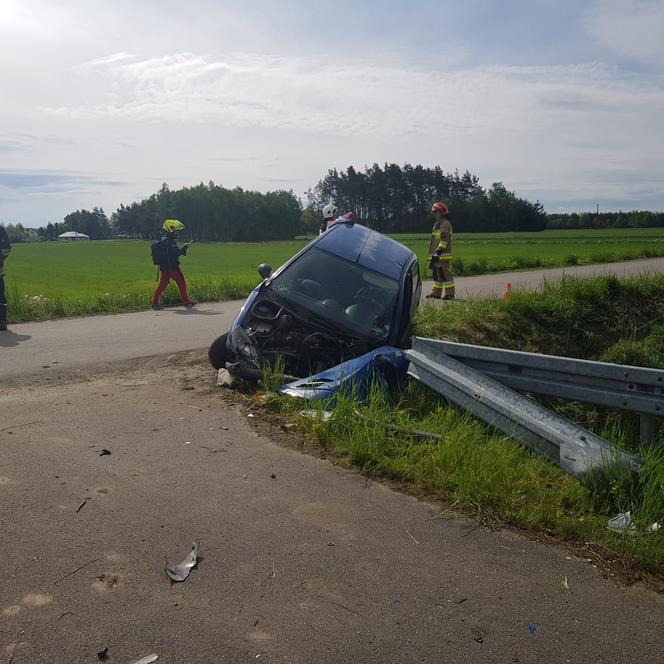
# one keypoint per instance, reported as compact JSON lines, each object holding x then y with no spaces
{"x":301,"y":560}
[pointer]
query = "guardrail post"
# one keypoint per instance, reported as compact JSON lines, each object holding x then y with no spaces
{"x":649,"y":428}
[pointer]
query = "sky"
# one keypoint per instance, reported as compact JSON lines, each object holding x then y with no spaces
{"x":101,"y":102}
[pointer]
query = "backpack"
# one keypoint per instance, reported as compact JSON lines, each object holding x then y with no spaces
{"x":159,"y":252}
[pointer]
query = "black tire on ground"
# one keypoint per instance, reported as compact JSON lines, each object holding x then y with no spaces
{"x":218,"y":353}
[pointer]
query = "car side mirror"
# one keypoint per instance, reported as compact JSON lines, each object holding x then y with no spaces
{"x":264,"y":270}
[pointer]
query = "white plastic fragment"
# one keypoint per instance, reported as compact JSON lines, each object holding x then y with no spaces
{"x":622,"y":523}
{"x":225,"y":379}
{"x":323,"y":415}
{"x":181,"y":571}
{"x":148,"y":659}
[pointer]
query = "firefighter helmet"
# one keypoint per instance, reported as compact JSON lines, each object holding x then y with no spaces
{"x":438,"y":206}
{"x":172,"y":225}
{"x":330,"y":211}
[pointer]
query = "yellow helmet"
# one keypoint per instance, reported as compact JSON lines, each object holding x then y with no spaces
{"x":172,"y":225}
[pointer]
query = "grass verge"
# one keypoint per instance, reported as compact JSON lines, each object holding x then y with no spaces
{"x":605,"y":318}
{"x":480,"y":470}
{"x":54,"y":305}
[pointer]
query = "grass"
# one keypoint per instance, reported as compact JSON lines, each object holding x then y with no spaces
{"x":482,"y":253}
{"x":50,"y":280}
{"x":605,"y":318}
{"x":480,"y":470}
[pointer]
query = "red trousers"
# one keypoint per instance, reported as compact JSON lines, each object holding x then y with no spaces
{"x":177,"y":276}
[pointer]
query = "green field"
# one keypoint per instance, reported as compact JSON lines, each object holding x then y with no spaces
{"x":48,"y":280}
{"x":480,"y":253}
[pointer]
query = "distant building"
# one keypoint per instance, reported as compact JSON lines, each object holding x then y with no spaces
{"x":73,"y":236}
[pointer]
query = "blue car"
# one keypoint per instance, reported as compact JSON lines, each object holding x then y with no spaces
{"x":349,"y":291}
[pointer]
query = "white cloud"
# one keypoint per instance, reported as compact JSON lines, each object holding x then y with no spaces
{"x":632,"y":28}
{"x":248,"y":90}
{"x":36,"y":20}
{"x":107,"y":60}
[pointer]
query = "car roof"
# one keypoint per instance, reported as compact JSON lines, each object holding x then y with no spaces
{"x":366,"y":247}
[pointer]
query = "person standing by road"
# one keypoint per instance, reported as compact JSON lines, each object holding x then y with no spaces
{"x":440,"y":254}
{"x":5,"y":248}
{"x":166,"y":254}
{"x":329,"y":214}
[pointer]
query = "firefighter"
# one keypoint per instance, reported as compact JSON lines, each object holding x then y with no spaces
{"x":5,"y":248}
{"x":166,"y":254}
{"x":440,"y":254}
{"x":329,"y":214}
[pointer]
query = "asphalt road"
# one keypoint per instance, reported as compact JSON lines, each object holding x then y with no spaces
{"x":302,"y":562}
{"x":85,"y":343}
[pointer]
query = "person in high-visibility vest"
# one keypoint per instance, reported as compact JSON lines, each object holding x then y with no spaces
{"x":440,"y":254}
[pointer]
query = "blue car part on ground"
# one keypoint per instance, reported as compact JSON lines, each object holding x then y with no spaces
{"x":386,"y":364}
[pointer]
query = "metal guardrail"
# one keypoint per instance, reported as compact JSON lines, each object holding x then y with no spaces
{"x":574,"y":449}
{"x":637,"y":389}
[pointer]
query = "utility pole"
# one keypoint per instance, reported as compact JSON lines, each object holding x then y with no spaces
{"x":597,"y":208}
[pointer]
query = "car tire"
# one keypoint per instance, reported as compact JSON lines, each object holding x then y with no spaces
{"x":219,"y":353}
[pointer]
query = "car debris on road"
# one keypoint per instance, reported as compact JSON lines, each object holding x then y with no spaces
{"x":148,"y":659}
{"x":179,"y":572}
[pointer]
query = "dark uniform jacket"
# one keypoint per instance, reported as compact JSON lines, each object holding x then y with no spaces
{"x":5,"y":248}
{"x":171,"y":253}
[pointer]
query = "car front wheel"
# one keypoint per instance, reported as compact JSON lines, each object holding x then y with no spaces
{"x":219,"y":353}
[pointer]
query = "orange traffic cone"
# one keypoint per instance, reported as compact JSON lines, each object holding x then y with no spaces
{"x":508,"y":290}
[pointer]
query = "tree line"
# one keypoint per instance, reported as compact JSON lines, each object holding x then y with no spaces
{"x":633,"y":219}
{"x":213,"y":213}
{"x":391,"y":199}
{"x":396,"y":199}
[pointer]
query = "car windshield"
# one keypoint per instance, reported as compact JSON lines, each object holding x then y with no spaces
{"x":346,"y":294}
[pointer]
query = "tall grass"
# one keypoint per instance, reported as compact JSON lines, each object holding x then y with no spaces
{"x":598,"y":319}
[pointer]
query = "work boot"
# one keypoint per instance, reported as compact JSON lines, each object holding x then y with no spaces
{"x":450,"y":296}
{"x":433,"y":296}
{"x":189,"y":305}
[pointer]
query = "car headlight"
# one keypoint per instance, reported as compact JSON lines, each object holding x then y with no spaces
{"x":246,"y":349}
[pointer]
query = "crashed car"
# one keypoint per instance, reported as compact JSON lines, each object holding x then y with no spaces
{"x":349,"y":291}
